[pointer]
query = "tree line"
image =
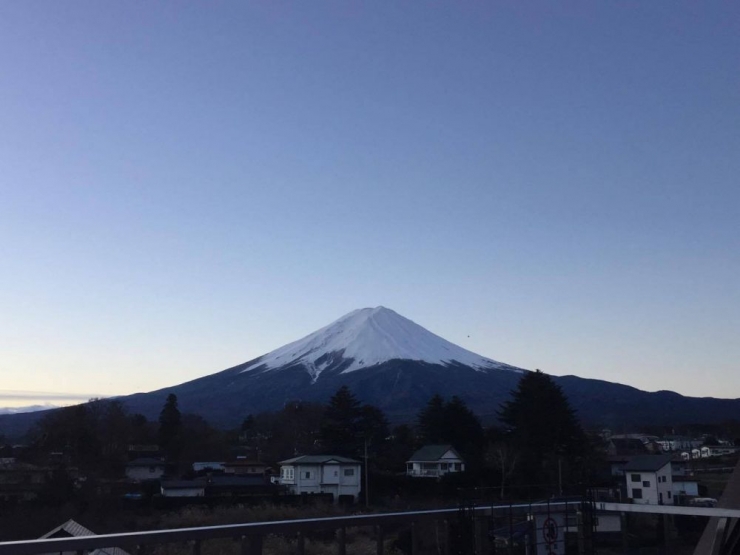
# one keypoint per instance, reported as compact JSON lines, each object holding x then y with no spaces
{"x":538,"y":439}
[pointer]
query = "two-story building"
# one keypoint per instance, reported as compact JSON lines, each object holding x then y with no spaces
{"x":649,"y":480}
{"x":322,"y":474}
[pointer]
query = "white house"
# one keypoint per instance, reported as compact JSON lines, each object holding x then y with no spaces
{"x":649,"y":480}
{"x":433,"y":461}
{"x":322,"y":474}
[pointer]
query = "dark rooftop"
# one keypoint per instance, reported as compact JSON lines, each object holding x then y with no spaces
{"x":432,"y":453}
{"x":647,"y":463}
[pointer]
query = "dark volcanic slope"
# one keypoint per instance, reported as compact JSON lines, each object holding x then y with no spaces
{"x":402,"y":387}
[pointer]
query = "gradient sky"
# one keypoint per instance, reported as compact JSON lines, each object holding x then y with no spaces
{"x":185,"y":186}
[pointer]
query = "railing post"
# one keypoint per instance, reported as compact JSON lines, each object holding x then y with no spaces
{"x":196,"y":547}
{"x":251,"y":545}
{"x":300,"y":547}
{"x":379,"y":534}
{"x":342,"y":541}
{"x":625,"y":538}
{"x":414,"y":538}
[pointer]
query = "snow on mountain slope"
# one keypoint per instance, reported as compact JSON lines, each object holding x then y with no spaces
{"x":371,"y":336}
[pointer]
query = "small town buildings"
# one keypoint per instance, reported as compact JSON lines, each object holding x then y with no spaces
{"x":235,"y":486}
{"x":182,"y":488}
{"x":649,"y":480}
{"x":679,"y":443}
{"x":625,"y":447}
{"x":218,"y":486}
{"x":339,"y":476}
{"x":20,"y":481}
{"x":73,"y":529}
{"x":208,"y":466}
{"x":242,"y":467}
{"x":434,"y":461}
{"x":716,"y":451}
{"x":144,"y":469}
{"x":686,"y":486}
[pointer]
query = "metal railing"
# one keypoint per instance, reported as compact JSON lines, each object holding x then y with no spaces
{"x":251,"y":535}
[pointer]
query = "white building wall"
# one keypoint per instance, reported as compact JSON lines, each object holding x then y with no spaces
{"x":665,"y":485}
{"x":655,"y":487}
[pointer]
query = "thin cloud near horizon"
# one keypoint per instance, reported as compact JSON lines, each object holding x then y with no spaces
{"x":10,"y":394}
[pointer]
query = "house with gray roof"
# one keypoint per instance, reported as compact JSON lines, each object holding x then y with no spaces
{"x":322,"y":474}
{"x":434,"y":461}
{"x":649,"y":480}
{"x":73,"y":529}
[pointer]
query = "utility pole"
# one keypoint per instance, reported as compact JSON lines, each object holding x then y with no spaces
{"x":367,"y":489}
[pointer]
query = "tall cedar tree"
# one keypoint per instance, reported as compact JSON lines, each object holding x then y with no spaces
{"x":347,"y":424}
{"x":170,"y":426}
{"x":544,"y":430}
{"x":454,"y":423}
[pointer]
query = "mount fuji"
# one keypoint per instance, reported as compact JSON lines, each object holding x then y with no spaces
{"x":397,"y":365}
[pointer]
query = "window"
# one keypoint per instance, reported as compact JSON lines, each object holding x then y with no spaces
{"x":669,"y":495}
{"x":635,"y":478}
{"x":307,"y":475}
{"x":646,"y":484}
{"x":636,"y":493}
{"x":443,"y":466}
{"x":349,"y":471}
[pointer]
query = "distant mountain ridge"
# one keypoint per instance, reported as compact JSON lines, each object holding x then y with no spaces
{"x":393,"y":363}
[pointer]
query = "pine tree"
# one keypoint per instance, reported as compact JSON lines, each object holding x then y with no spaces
{"x":346,"y":426}
{"x":170,"y":426}
{"x":431,"y":423}
{"x":543,"y":429}
{"x":340,"y":426}
{"x":454,"y":423}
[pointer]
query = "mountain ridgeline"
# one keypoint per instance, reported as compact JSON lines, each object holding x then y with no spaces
{"x":395,"y":364}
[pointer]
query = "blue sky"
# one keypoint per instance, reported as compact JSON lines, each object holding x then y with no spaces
{"x":186,"y":186}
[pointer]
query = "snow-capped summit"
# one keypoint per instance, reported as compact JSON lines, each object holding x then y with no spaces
{"x":367,"y":337}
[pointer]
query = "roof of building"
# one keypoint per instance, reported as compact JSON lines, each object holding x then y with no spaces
{"x":433,"y":453}
{"x":244,"y":462}
{"x":146,"y":461}
{"x":183,"y":484}
{"x":233,"y":481}
{"x":16,"y":466}
{"x":628,"y":445}
{"x":647,"y":463}
{"x":74,"y":529}
{"x":319,"y":459}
